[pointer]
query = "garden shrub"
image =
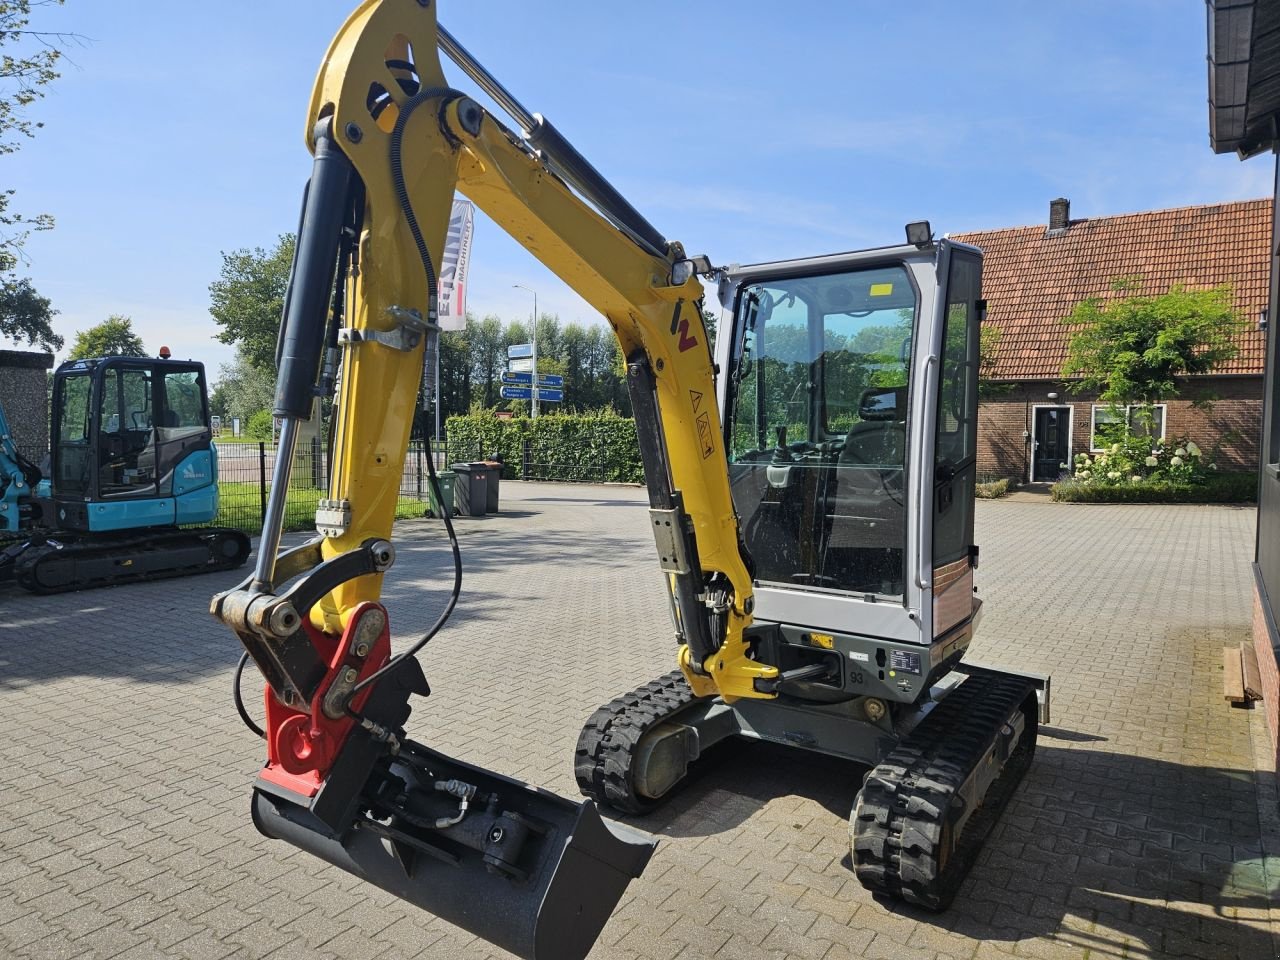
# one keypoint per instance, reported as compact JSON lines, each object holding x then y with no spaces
{"x":260,"y":426}
{"x":992,"y":490}
{"x":1219,"y":488}
{"x":1130,"y":460}
{"x":1139,"y":469}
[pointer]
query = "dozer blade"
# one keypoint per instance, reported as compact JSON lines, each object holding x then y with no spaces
{"x":527,"y":870}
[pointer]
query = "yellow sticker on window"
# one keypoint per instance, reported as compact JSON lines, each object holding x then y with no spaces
{"x":881,"y":289}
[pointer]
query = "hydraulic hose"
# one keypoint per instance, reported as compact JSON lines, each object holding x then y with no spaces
{"x":239,"y":700}
{"x":406,"y":209}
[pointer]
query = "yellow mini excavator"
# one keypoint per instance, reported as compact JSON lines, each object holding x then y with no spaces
{"x":811,"y":488}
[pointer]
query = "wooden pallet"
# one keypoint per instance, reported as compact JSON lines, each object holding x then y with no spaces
{"x":1241,"y":678}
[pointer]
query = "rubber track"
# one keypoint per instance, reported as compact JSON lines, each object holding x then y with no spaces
{"x":603,"y":761}
{"x":26,"y":570}
{"x":898,"y":821}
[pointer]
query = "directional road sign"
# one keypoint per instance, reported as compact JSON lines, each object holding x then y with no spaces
{"x":521,"y":364}
{"x":550,"y":380}
{"x":516,"y":377}
{"x":520,"y":350}
{"x":546,"y":394}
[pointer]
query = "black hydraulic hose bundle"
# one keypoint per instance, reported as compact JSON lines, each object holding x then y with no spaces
{"x":406,"y":208}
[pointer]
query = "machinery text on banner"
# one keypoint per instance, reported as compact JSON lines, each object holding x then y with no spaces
{"x":453,"y":272}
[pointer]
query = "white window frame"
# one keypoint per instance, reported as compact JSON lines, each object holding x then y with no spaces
{"x":1071,"y":436}
{"x":1128,"y":409}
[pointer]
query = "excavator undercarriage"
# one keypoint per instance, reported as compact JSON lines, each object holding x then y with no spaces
{"x":61,"y":562}
{"x":924,"y":808}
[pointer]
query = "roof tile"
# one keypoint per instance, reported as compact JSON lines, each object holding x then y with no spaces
{"x":1031,"y":281}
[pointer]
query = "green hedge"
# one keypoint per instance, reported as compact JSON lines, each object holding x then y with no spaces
{"x":1223,"y":488}
{"x":592,"y":446}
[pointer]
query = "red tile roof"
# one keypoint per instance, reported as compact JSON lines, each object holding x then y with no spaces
{"x":1031,"y":281}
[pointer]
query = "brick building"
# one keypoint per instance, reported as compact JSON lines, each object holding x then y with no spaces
{"x":24,"y":396}
{"x":1034,"y":276}
{"x":1244,"y":119}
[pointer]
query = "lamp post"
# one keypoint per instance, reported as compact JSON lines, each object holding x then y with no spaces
{"x":533,"y":340}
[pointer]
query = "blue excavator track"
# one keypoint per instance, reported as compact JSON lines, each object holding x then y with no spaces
{"x":63,"y":564}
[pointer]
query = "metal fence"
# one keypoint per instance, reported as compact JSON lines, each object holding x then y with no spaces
{"x":245,"y":470}
{"x":245,"y":473}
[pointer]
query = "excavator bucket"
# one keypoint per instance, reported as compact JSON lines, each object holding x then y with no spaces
{"x":520,"y":867}
{"x":527,"y":870}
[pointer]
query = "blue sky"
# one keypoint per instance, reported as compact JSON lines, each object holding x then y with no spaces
{"x":749,"y":131}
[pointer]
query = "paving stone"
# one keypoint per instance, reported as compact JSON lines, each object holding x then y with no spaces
{"x":1135,"y":834}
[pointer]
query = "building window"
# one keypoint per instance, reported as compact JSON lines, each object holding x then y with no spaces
{"x":1114,"y":423}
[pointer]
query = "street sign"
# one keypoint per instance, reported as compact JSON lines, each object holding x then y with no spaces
{"x":520,"y":350}
{"x":548,"y":395}
{"x":516,"y":393}
{"x":550,"y":380}
{"x":521,"y":365}
{"x":512,"y":376}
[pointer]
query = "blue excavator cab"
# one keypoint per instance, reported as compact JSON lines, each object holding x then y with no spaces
{"x":131,"y":445}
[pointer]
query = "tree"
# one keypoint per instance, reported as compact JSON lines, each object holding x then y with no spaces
{"x":709,"y":321}
{"x":548,"y":337}
{"x":1133,"y":348}
{"x":613,"y":374}
{"x":455,"y":374}
{"x":242,"y":389}
{"x":24,"y":314}
{"x":113,"y":337}
{"x":577,"y":388}
{"x":24,"y":73}
{"x":247,"y":299}
{"x":988,"y":343}
{"x":488,"y":354}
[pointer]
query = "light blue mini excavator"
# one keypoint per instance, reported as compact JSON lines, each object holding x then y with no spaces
{"x":133,"y":471}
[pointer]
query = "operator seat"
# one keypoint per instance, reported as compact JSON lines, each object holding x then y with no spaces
{"x":866,"y":502}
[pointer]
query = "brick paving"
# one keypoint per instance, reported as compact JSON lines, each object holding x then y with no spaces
{"x":124,"y":772}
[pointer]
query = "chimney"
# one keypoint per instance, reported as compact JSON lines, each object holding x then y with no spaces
{"x":1059,"y":217}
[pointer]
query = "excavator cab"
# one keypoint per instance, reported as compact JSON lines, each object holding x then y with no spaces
{"x":131,"y":445}
{"x":850,"y":411}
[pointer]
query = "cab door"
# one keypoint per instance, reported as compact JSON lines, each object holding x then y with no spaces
{"x":126,"y":437}
{"x":955,"y":444}
{"x":182,"y":429}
